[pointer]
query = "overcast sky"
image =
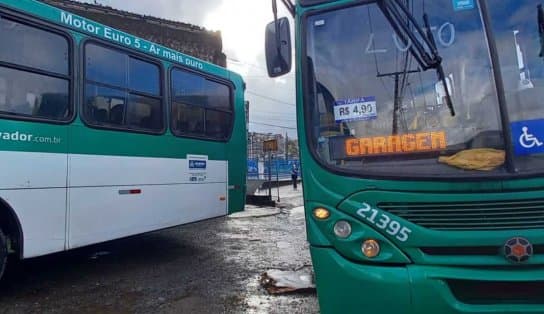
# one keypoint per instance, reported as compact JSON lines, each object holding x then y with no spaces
{"x":242,"y":24}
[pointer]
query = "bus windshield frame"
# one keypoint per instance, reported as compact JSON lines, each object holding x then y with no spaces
{"x":403,"y":168}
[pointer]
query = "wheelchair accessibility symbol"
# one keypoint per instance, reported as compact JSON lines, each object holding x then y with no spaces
{"x":528,"y":140}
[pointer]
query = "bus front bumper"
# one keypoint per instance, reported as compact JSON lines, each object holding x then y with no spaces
{"x":347,"y":287}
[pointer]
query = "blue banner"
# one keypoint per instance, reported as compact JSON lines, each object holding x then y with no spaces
{"x":528,"y":137}
{"x":252,"y":168}
{"x":281,"y":167}
{"x":278,"y":168}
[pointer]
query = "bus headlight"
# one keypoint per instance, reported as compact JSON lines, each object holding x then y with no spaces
{"x":342,"y":229}
{"x":329,"y":227}
{"x":370,"y":248}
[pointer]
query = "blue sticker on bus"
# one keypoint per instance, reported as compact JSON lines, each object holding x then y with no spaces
{"x":197,"y":164}
{"x":459,"y":5}
{"x":528,"y":137}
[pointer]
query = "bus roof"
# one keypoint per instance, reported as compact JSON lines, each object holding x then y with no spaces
{"x":89,"y":27}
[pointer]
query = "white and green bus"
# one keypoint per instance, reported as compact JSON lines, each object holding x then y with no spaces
{"x":104,"y":135}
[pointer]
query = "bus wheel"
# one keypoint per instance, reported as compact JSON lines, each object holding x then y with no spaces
{"x":3,"y":252}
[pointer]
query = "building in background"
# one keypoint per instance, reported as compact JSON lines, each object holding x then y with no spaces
{"x":189,"y":39}
{"x":255,"y":146}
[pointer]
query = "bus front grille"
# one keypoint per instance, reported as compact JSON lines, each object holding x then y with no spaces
{"x":461,"y":216}
{"x":497,"y":292}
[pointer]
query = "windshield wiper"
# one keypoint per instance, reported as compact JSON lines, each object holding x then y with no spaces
{"x":422,"y":45}
{"x":439,"y":67}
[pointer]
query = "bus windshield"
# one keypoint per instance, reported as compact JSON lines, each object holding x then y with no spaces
{"x":373,"y":108}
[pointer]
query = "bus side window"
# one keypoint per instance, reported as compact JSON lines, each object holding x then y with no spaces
{"x":129,"y":86}
{"x":189,"y":119}
{"x":200,"y":106}
{"x":53,"y":106}
{"x":34,"y":85}
{"x":218,"y":124}
{"x":3,"y":92}
{"x":144,"y":112}
{"x":104,"y":106}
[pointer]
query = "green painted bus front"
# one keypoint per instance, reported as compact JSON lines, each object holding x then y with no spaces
{"x":76,"y":138}
{"x":438,"y":265}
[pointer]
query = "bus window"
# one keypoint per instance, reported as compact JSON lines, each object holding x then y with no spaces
{"x":121,"y":91}
{"x":105,"y":106}
{"x":218,"y":95}
{"x":188,"y":119}
{"x":34,"y":76}
{"x":3,"y":91}
{"x":218,"y":124}
{"x":106,"y":66}
{"x":389,"y":115}
{"x":33,"y":47}
{"x":200,"y":106}
{"x":519,"y":45}
{"x":144,"y":77}
{"x":144,"y":112}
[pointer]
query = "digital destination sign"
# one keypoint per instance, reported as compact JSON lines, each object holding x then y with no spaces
{"x":395,"y":144}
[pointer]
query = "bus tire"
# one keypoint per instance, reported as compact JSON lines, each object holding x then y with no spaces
{"x":3,"y":252}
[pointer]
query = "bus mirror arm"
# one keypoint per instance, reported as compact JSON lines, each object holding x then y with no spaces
{"x":278,"y":45}
{"x":291,"y":8}
{"x":276,"y":26}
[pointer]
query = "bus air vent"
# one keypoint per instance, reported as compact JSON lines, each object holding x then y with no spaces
{"x":497,"y":292}
{"x":464,"y":216}
{"x":472,"y":250}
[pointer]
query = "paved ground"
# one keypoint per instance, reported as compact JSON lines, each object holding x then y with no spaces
{"x":207,"y":267}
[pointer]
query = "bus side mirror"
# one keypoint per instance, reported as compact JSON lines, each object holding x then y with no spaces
{"x":278,"y":47}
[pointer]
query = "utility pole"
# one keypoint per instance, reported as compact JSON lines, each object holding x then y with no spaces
{"x":286,"y":146}
{"x":270,"y":174}
{"x":399,"y":95}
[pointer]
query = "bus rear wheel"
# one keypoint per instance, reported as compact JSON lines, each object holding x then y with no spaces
{"x":3,"y":252}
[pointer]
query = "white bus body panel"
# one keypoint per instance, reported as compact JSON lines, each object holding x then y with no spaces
{"x":25,"y":170}
{"x":34,"y":186}
{"x":101,"y":207}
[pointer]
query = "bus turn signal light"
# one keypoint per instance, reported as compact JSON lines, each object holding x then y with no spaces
{"x":321,"y":213}
{"x":370,"y":248}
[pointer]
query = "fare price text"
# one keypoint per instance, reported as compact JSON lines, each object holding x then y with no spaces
{"x":355,"y":109}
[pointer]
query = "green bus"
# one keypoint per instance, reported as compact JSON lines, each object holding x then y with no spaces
{"x":421,"y":129}
{"x":105,"y":135}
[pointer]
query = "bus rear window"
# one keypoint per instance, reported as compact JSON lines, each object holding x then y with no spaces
{"x":34,"y":73}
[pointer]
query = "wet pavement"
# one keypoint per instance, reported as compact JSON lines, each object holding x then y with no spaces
{"x":207,"y":267}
